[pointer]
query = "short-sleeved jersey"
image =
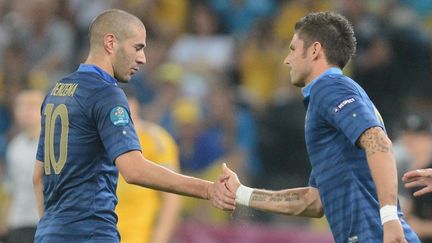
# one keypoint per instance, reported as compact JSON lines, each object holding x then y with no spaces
{"x":86,"y":125}
{"x":338,"y":111}
{"x":137,"y":219}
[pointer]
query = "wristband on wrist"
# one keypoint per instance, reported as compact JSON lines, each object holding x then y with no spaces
{"x":388,"y":213}
{"x":243,"y":195}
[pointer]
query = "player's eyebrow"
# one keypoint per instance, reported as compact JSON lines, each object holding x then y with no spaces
{"x":291,"y":47}
{"x":140,"y":46}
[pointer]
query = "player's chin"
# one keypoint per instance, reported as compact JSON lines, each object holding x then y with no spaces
{"x":124,"y":81}
{"x":125,"y":78}
{"x":297,"y":82}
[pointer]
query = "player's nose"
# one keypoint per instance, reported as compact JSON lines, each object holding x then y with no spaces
{"x":141,"y":59}
{"x":287,"y":60}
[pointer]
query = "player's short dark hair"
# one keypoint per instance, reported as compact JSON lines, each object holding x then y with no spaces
{"x":114,"y":21}
{"x":333,"y":31}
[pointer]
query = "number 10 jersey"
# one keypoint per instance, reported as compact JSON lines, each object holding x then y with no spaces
{"x":86,"y":125}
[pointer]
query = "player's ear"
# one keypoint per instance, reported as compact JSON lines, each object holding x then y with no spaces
{"x":109,"y":42}
{"x":316,"y":48}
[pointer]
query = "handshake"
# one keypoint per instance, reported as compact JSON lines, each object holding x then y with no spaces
{"x":227,"y":191}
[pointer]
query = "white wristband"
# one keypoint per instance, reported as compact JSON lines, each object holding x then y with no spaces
{"x":243,"y":195}
{"x":388,"y":213}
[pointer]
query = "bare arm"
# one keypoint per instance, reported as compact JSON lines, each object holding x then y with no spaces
{"x":38,"y":186}
{"x":168,"y":218}
{"x":140,"y":171}
{"x":304,"y":201}
{"x":382,"y":165}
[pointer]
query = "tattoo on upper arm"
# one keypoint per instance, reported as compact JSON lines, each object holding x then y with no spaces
{"x":264,"y":196}
{"x":374,"y":140}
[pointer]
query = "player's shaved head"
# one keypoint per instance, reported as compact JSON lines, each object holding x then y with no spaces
{"x":114,"y":21}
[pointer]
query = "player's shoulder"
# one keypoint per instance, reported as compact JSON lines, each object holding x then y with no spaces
{"x":333,"y":84}
{"x":91,"y":80}
{"x":86,"y":87}
{"x":333,"y":81}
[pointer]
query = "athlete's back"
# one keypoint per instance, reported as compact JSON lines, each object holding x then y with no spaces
{"x":85,"y":126}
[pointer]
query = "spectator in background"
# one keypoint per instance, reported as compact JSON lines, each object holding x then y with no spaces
{"x":280,"y":160}
{"x":217,"y":131}
{"x":22,"y":211}
{"x":422,"y":8}
{"x":166,"y":81}
{"x":49,"y":43}
{"x":83,"y":12}
{"x":392,"y":48}
{"x":155,"y":220}
{"x":233,"y":127}
{"x":412,"y":58}
{"x":204,"y":48}
{"x":416,"y":139}
{"x":259,"y":65}
{"x":226,"y":132}
{"x":4,"y":29}
{"x":238,"y":16}
{"x":373,"y":66}
{"x":291,"y":11}
{"x":12,"y":77}
{"x":166,"y":18}
{"x":150,"y":80}
{"x":196,"y":150}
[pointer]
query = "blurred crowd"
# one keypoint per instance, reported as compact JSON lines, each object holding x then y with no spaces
{"x":215,"y":80}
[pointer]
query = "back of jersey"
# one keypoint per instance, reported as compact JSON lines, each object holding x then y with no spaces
{"x":85,"y":126}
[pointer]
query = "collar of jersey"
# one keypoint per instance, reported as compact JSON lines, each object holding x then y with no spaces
{"x":306,"y":90}
{"x":95,"y":69}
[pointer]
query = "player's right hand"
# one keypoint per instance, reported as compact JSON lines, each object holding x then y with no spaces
{"x":233,"y":183}
{"x":393,"y":232}
{"x":220,"y":196}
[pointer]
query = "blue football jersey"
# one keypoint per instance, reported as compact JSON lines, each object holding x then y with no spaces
{"x":338,"y":111}
{"x":86,"y":125}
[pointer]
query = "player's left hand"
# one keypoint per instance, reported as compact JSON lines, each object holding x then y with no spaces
{"x":393,"y":232}
{"x":419,"y":178}
{"x":220,"y":196}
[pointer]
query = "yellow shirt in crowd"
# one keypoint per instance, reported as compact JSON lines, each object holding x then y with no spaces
{"x":138,"y":207}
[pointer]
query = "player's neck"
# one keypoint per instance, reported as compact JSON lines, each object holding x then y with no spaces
{"x":317,"y":71}
{"x":102,"y":63}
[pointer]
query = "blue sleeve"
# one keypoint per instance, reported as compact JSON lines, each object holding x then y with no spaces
{"x":111,"y":115}
{"x":346,"y":107}
{"x":40,"y":150}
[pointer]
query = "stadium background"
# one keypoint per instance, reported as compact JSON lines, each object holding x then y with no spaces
{"x":215,"y":80}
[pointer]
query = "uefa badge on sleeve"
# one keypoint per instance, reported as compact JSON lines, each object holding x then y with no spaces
{"x":119,"y":116}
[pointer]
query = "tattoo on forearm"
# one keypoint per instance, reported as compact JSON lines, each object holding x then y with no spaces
{"x":263,"y":196}
{"x":374,"y":140}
